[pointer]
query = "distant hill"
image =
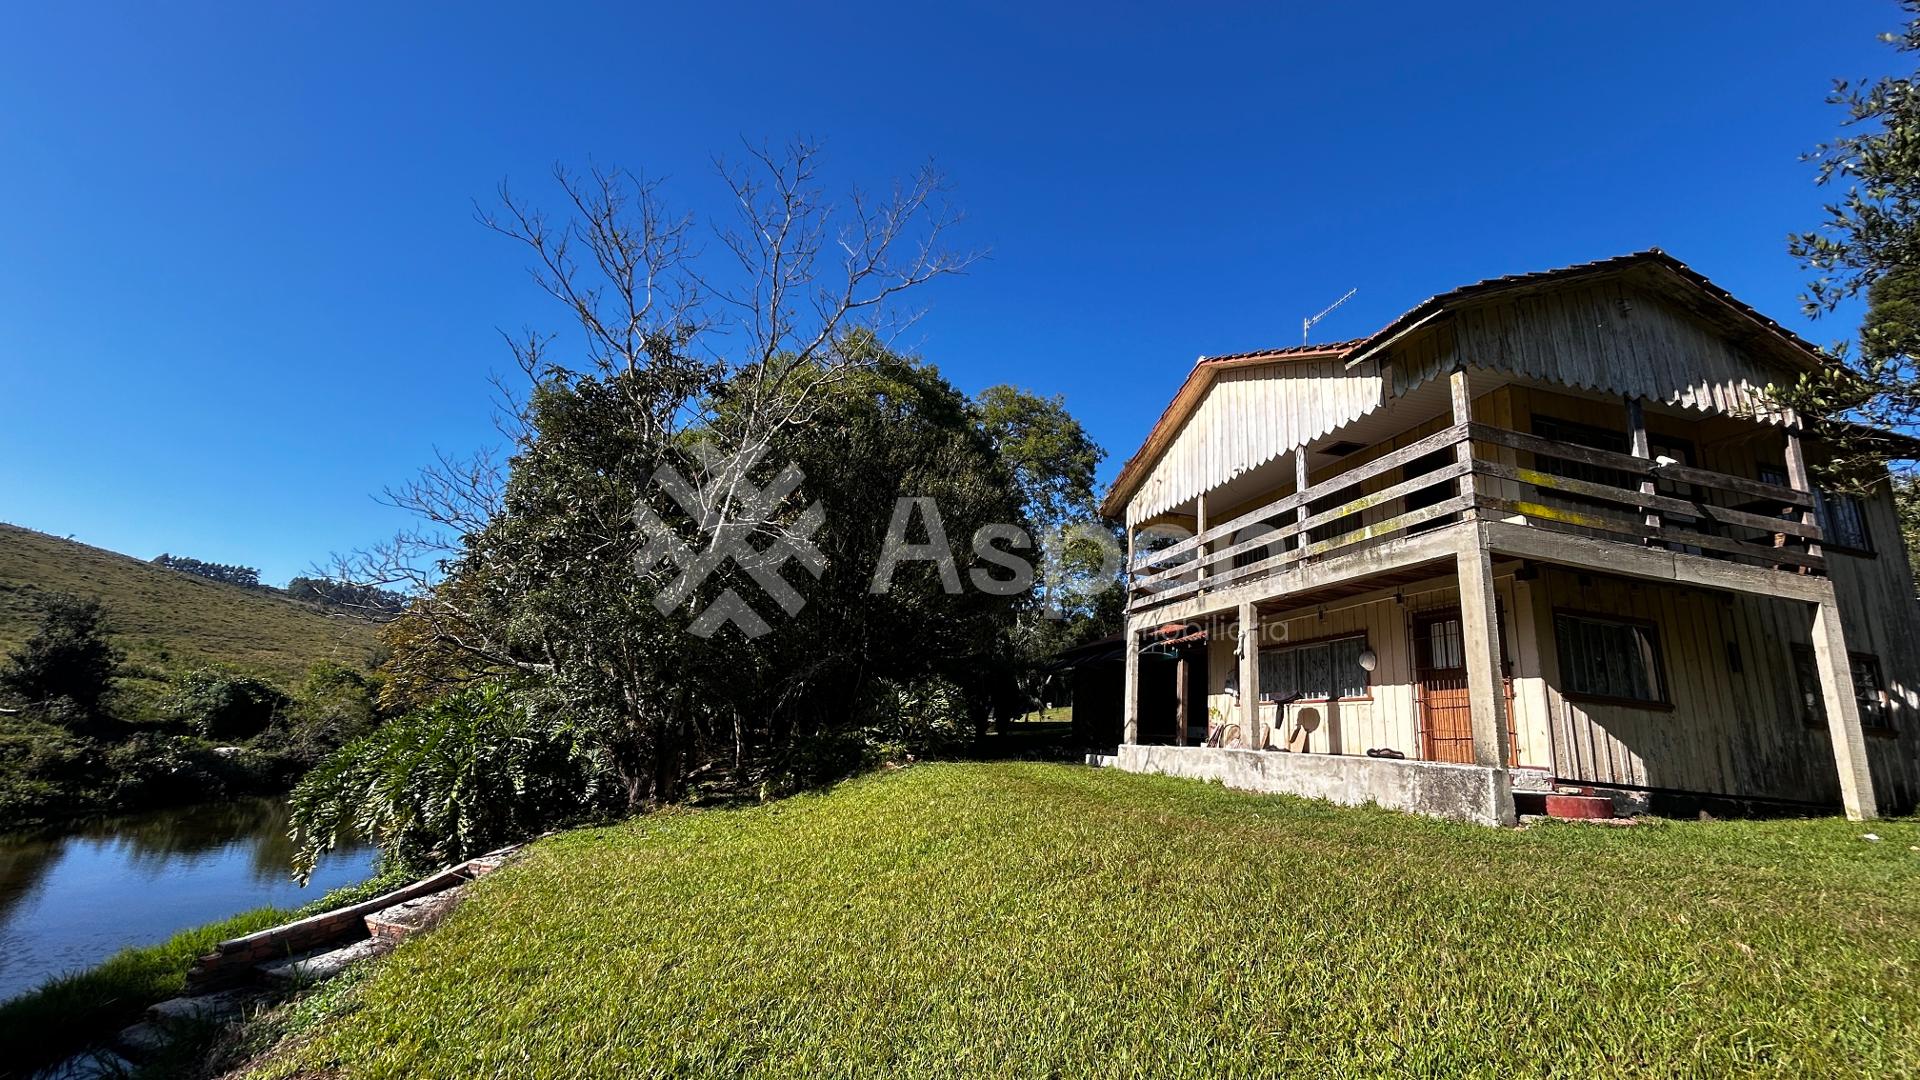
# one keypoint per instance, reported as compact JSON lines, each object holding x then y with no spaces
{"x":167,"y":617}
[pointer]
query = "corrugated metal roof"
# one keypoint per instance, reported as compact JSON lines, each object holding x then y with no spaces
{"x":1185,"y":399}
{"x":1318,"y":349}
{"x":1596,"y":266}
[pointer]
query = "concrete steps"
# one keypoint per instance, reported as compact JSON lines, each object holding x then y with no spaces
{"x":142,"y":1040}
{"x":1567,"y":802}
{"x":164,"y":1020}
{"x":1579,"y":807}
{"x":1530,"y":779}
{"x":224,"y":1005}
{"x":247,"y":972}
{"x":318,"y":965}
{"x":410,"y":917}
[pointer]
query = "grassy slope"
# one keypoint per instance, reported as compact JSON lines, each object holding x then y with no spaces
{"x":163,"y":616}
{"x":1036,"y":920}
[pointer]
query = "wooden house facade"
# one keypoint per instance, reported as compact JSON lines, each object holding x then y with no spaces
{"x":1539,"y":532}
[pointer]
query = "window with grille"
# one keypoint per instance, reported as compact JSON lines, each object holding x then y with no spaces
{"x":1441,"y":644}
{"x":1869,"y":692}
{"x":1614,"y":659}
{"x":1314,"y":671}
{"x":1842,"y":518}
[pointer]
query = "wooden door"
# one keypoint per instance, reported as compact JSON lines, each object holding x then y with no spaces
{"x":1440,"y":670}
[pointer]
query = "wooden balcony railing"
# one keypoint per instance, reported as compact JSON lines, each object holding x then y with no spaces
{"x":1562,"y":486}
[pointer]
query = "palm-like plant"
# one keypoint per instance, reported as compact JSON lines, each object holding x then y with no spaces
{"x":475,"y":770}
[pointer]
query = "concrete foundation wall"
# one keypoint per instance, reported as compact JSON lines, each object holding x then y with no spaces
{"x":1458,"y":792}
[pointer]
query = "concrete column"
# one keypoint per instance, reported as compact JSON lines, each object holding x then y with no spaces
{"x":1480,"y":627}
{"x":1250,"y":677}
{"x":1130,"y":696}
{"x":1843,"y":712}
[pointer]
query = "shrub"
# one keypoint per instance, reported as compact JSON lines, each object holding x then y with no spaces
{"x":45,"y":771}
{"x":899,"y":723}
{"x":152,"y":769}
{"x":334,"y":706}
{"x":225,"y":705}
{"x":67,"y":659}
{"x":473,"y":771}
{"x":923,"y":720}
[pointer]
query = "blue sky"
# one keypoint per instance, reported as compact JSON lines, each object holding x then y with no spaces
{"x":241,"y":288}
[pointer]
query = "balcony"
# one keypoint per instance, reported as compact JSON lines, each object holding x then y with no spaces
{"x":1619,"y":506}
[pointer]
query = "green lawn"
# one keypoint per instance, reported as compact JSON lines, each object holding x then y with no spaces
{"x":1049,"y":920}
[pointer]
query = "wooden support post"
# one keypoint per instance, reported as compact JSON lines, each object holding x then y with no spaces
{"x":1480,"y":629}
{"x":1640,"y":447}
{"x":1546,"y":654}
{"x":1180,"y":698}
{"x":1250,"y":677}
{"x":1843,"y":712}
{"x":1200,"y":553}
{"x":1299,"y":485}
{"x":1130,"y":696}
{"x":1797,"y":477}
{"x":1463,"y":451}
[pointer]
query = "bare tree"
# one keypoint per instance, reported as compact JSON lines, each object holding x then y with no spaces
{"x":752,"y":333}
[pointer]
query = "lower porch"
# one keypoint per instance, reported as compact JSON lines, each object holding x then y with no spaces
{"x":1438,"y":672}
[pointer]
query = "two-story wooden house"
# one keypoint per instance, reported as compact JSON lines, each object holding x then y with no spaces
{"x":1539,"y":531}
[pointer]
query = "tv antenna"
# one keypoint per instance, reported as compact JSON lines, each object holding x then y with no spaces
{"x":1306,"y":325}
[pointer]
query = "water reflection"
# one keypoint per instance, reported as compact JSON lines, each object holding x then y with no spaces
{"x":71,"y":896}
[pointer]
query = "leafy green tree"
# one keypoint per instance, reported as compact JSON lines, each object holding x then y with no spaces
{"x":68,"y":659}
{"x":1053,"y":462}
{"x":555,"y":583}
{"x":246,"y":576}
{"x":895,"y":431}
{"x":1051,"y":456}
{"x":524,"y":567}
{"x":695,"y":392}
{"x":1869,"y":243}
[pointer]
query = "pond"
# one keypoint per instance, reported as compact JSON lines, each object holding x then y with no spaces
{"x":71,"y":897}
